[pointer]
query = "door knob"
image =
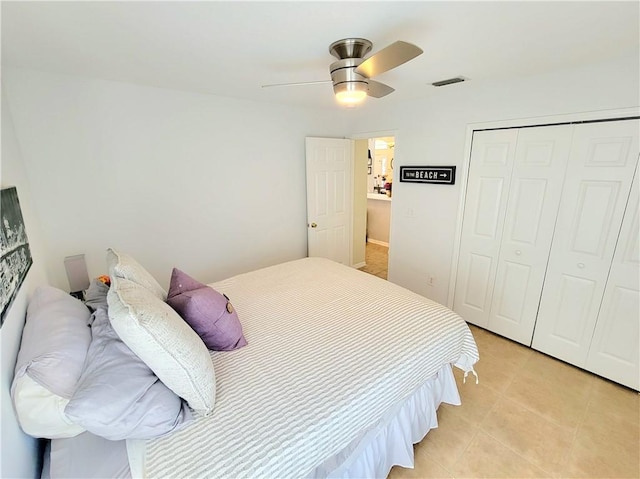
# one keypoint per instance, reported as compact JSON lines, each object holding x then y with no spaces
{"x":518,"y":252}
{"x":313,"y":225}
{"x":581,"y":265}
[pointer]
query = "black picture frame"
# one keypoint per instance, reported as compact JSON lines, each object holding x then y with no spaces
{"x":15,"y":254}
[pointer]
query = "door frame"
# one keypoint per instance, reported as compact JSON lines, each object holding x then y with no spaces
{"x":582,"y":117}
{"x":365,"y":136}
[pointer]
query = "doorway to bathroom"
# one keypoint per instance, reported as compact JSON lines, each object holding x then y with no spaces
{"x":380,"y":158}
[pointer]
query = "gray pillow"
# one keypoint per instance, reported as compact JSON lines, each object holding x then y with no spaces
{"x":118,"y":396}
{"x":55,"y":339}
{"x":54,"y":346}
{"x":96,"y":295}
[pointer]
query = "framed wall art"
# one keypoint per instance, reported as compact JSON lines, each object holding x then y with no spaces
{"x":15,"y":255}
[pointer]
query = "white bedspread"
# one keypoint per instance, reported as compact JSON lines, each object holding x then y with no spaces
{"x":331,"y":351}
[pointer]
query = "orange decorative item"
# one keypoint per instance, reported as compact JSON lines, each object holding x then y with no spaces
{"x":104,"y":279}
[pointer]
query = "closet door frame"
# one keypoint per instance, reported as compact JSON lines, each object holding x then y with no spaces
{"x":463,"y":172}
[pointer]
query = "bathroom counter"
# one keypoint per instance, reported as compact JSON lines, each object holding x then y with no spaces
{"x":378,"y":196}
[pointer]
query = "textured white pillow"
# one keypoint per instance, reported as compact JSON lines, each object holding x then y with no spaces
{"x":161,"y":338}
{"x":122,"y":265}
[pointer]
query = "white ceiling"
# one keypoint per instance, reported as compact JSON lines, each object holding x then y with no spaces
{"x":232,"y":48}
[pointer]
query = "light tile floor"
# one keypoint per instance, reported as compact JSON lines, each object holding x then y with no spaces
{"x":530,"y":416}
{"x":376,"y":257}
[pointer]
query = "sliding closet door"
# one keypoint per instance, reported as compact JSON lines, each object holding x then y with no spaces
{"x":534,"y":197}
{"x":492,"y":154}
{"x":614,"y":351}
{"x":598,"y":180}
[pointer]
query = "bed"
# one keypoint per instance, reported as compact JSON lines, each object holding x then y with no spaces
{"x":343,"y":372}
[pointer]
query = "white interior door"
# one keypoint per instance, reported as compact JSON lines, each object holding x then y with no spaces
{"x":598,"y":180}
{"x":536,"y":186}
{"x":329,"y":198}
{"x":614,"y":351}
{"x":492,"y":155}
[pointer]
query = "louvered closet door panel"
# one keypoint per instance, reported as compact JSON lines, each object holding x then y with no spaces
{"x":598,"y":180}
{"x":536,"y":186}
{"x":614,"y":349}
{"x":492,"y":154}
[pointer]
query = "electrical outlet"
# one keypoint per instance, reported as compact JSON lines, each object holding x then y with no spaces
{"x":431,"y":281}
{"x":409,"y":213}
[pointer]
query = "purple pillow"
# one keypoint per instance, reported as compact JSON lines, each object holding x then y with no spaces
{"x":208,"y":312}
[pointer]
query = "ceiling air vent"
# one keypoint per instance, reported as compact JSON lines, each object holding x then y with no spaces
{"x":449,"y":81}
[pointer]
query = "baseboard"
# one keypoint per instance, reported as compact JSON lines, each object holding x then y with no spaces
{"x":381,"y":243}
{"x":359,"y":265}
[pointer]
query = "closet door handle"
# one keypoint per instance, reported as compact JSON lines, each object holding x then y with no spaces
{"x":581,"y":265}
{"x":518,"y":252}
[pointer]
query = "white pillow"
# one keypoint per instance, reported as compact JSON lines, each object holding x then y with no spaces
{"x":161,"y":338}
{"x":54,"y":345}
{"x":124,"y":266}
{"x":41,"y":412}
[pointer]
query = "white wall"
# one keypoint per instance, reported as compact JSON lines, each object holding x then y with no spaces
{"x":432,"y":131}
{"x":214,"y":186}
{"x":378,"y":218}
{"x":17,"y":451}
{"x":359,"y":226}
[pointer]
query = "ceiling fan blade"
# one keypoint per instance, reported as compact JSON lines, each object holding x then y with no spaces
{"x":297,"y":84}
{"x":378,"y":90}
{"x":390,"y":57}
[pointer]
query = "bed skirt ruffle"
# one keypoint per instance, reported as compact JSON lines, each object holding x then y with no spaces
{"x":390,"y":442}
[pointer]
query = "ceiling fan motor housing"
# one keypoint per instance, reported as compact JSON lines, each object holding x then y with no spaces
{"x":350,"y":48}
{"x":349,"y":52}
{"x":344,"y":76}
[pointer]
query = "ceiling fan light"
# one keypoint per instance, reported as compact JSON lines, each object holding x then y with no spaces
{"x":351,"y":97}
{"x":350,"y":93}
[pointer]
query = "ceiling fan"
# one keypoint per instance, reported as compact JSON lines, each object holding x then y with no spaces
{"x":352,"y":74}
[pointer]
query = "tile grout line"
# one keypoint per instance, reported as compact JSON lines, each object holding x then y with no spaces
{"x":464,"y":451}
{"x":537,"y":414}
{"x":549,"y":474}
{"x":577,"y":428}
{"x":503,"y":397}
{"x":469,"y":425}
{"x":480,"y":427}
